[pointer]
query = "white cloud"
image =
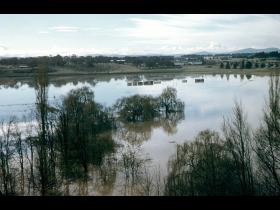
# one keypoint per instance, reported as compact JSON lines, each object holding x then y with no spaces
{"x":65,"y":29}
{"x":197,"y":31}
{"x":2,"y":47}
{"x":70,"y":29}
{"x":43,"y":32}
{"x":92,"y":29}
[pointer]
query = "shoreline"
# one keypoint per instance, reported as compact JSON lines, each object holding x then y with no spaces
{"x":186,"y":70}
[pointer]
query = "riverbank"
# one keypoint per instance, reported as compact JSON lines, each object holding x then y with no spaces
{"x":131,"y":70}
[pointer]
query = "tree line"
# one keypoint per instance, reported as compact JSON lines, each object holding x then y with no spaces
{"x":159,"y":61}
{"x":91,"y":61}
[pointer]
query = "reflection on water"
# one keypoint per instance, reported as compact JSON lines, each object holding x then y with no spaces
{"x":199,"y":80}
{"x":144,"y":145}
{"x":139,"y":132}
{"x":107,"y":173}
{"x":131,"y":80}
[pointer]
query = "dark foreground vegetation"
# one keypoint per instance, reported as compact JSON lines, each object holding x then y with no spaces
{"x":70,"y":138}
{"x":241,"y":162}
{"x":72,"y":142}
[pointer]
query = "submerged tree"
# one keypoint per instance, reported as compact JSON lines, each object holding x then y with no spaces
{"x":142,"y":108}
{"x":7,"y":178}
{"x":169,"y":102}
{"x":137,"y":108}
{"x":201,"y":167}
{"x":20,"y":150}
{"x":132,"y":164}
{"x":84,"y":131}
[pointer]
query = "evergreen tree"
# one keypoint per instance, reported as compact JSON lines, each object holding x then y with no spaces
{"x":227,"y":65}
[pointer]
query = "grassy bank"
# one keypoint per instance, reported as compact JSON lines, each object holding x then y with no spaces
{"x":121,"y":69}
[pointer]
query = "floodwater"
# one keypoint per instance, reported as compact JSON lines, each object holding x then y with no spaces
{"x":207,"y":101}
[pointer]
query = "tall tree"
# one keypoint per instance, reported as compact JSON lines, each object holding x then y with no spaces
{"x":238,"y":140}
{"x":45,"y":163}
{"x":267,"y":140}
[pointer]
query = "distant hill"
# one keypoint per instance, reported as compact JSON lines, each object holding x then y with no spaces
{"x":241,"y":51}
{"x":204,"y":53}
{"x":253,"y":50}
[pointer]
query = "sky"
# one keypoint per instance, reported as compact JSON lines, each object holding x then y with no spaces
{"x":48,"y":34}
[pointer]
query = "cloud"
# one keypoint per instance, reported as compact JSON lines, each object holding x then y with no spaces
{"x":197,"y":31}
{"x":64,"y":29}
{"x":92,"y":29}
{"x":140,"y":34}
{"x":2,"y":47}
{"x":43,"y":32}
{"x":70,"y":29}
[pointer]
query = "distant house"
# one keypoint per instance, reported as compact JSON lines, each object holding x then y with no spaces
{"x":209,"y":57}
{"x":120,"y":61}
{"x":157,"y":82}
{"x":179,"y":64}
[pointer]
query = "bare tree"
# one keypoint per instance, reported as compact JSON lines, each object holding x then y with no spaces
{"x":267,"y":140}
{"x":44,"y":143}
{"x":238,"y":140}
{"x":6,"y":154}
{"x":19,"y":146}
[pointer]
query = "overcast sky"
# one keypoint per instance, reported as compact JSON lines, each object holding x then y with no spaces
{"x":135,"y":34}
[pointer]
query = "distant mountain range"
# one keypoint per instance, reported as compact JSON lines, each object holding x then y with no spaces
{"x":253,"y":50}
{"x":242,"y":51}
{"x":204,"y":53}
